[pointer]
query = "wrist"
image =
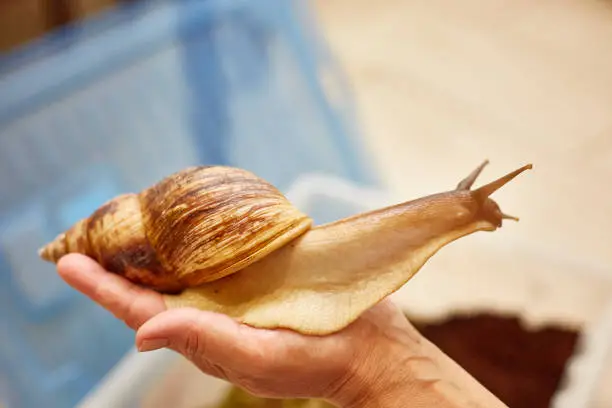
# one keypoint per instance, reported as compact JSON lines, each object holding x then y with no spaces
{"x":410,"y":371}
{"x":382,"y":374}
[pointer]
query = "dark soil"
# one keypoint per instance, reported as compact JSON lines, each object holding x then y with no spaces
{"x":522,"y":367}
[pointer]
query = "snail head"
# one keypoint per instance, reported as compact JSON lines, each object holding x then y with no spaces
{"x":486,"y":207}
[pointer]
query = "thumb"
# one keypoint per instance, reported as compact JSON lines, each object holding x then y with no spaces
{"x":198,"y":335}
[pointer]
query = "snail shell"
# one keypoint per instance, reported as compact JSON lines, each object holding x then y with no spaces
{"x":195,"y":226}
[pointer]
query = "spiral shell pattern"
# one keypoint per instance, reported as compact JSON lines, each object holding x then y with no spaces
{"x":195,"y":226}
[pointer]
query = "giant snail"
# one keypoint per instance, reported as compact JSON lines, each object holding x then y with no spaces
{"x":222,"y":239}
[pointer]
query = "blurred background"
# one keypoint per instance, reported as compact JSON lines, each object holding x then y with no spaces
{"x":345,"y":105}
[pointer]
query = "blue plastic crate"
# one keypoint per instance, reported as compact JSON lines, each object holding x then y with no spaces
{"x":114,"y":105}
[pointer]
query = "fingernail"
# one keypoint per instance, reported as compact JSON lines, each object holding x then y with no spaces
{"x":152,"y":344}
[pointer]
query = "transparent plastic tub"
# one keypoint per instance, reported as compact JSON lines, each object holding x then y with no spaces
{"x":113,"y":105}
{"x":160,"y":378}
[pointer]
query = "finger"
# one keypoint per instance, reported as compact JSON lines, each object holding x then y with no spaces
{"x":126,"y":301}
{"x":200,"y":336}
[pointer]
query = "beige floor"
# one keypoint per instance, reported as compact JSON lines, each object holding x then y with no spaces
{"x":440,"y":85}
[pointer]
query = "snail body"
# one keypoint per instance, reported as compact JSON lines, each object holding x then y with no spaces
{"x":221,"y":239}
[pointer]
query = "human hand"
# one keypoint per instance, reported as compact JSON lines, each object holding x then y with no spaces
{"x":379,"y":360}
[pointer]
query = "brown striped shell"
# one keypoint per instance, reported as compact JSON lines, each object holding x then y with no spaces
{"x":194,"y":226}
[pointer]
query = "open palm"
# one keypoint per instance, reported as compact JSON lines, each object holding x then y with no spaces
{"x":267,"y":363}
